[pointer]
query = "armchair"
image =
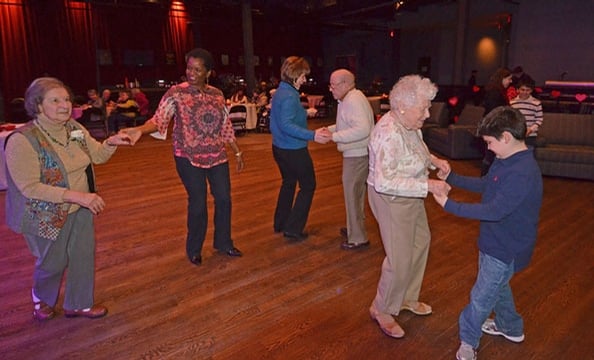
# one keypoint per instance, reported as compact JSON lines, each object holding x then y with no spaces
{"x":458,"y":141}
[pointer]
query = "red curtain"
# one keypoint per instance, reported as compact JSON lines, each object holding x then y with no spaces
{"x":64,"y":38}
{"x":17,"y":60}
{"x":177,"y":36}
{"x":54,"y":38}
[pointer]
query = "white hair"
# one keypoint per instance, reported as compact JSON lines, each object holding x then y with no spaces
{"x":411,"y":91}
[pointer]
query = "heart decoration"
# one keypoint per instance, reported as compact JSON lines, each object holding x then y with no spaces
{"x":538,"y":90}
{"x":453,"y":100}
{"x":511,"y":93}
{"x":581,"y":97}
{"x":555,"y":94}
{"x":476,"y":89}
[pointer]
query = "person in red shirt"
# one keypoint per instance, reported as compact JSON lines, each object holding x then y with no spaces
{"x":141,"y":100}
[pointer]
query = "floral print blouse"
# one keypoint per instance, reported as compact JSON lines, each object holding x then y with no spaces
{"x":399,"y":160}
{"x":201,"y":127}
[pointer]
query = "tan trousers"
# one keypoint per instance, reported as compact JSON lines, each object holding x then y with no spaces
{"x":406,"y":237}
{"x":354,"y":183}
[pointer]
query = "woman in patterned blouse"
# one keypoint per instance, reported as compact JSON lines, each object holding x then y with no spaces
{"x":200,"y":131}
{"x":398,"y":182}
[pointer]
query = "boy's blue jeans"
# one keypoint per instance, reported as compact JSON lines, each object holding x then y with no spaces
{"x":491,"y":293}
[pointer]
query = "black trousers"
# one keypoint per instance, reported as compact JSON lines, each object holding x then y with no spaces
{"x":295,"y":167}
{"x":194,"y":180}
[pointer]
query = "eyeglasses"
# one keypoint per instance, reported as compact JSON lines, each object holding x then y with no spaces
{"x":333,"y":86}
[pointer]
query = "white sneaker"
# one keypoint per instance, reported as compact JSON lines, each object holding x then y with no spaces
{"x":490,"y":328}
{"x":465,"y":352}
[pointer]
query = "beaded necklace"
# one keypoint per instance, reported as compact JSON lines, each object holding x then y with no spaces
{"x":53,"y":138}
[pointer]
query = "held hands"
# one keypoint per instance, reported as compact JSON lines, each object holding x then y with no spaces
{"x":440,"y":199}
{"x":322,"y":135}
{"x":120,"y":138}
{"x":132,"y":134}
{"x":443,"y":167}
{"x":440,"y":190}
{"x":439,"y":187}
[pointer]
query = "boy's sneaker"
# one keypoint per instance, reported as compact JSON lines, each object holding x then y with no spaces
{"x":465,"y":352}
{"x":490,"y":328}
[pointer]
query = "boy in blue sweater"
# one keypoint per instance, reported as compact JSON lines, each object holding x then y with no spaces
{"x":508,"y":213}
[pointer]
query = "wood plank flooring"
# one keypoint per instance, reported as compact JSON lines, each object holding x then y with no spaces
{"x":284,"y":300}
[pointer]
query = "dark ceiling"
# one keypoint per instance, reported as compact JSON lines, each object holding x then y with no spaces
{"x":326,"y":9}
{"x":313,"y":10}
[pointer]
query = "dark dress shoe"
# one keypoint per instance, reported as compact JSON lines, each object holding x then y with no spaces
{"x":350,"y":246}
{"x":294,"y":236}
{"x":344,"y":233}
{"x":196,"y":259}
{"x":234,"y":252}
{"x":94,"y":312}
{"x":42,"y":311}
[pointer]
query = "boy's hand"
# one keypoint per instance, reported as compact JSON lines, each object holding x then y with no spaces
{"x":440,"y":199}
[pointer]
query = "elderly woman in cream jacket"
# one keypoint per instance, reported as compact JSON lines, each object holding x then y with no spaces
{"x":398,"y":182}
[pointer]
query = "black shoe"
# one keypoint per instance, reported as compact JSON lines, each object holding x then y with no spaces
{"x":234,"y":252}
{"x":196,"y":260}
{"x":344,"y":233}
{"x":350,"y":246}
{"x":294,"y":236}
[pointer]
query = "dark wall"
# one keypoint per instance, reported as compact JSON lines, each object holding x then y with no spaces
{"x":546,"y":37}
{"x":274,"y":38}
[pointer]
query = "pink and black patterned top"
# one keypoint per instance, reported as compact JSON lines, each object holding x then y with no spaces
{"x":201,"y":127}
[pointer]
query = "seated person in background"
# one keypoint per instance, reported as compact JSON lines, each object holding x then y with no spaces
{"x":125,"y":110}
{"x":94,"y":109}
{"x":77,"y":107}
{"x":260,"y":97}
{"x":143,"y":104}
{"x":107,"y":96}
{"x":17,"y":112}
{"x":530,"y":107}
{"x":239,"y":97}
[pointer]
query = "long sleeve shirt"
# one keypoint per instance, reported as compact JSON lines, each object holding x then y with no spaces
{"x":509,"y":208}
{"x":531,"y":108}
{"x":201,"y":128}
{"x":399,"y":160}
{"x":127,"y":108}
{"x":23,"y":164}
{"x":354,"y":122}
{"x":288,"y":119}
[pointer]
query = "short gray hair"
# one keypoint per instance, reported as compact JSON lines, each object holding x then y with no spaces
{"x":37,"y":90}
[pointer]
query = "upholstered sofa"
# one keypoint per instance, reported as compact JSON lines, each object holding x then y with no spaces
{"x":459,"y":140}
{"x":569,"y":145}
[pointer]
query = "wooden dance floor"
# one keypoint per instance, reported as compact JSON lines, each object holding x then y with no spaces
{"x":285,"y":300}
